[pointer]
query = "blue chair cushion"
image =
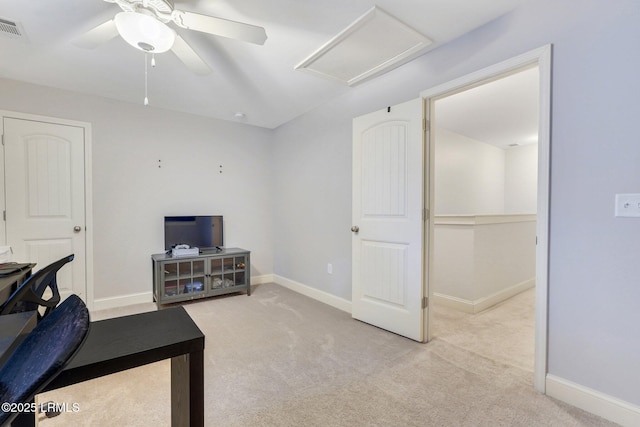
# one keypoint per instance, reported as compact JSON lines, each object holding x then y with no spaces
{"x":43,"y":354}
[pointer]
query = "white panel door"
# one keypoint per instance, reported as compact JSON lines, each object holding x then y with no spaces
{"x":387,"y":246}
{"x":45,"y":197}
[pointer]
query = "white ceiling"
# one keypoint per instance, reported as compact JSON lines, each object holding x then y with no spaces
{"x":259,"y":81}
{"x":501,"y":113}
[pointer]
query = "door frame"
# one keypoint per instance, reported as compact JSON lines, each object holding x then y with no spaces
{"x":88,"y":194}
{"x":542,"y":57}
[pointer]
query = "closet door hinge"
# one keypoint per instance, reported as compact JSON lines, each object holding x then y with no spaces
{"x":4,"y":215}
{"x":425,"y":302}
{"x":2,"y":138}
{"x":425,"y":214}
{"x":426,"y":125}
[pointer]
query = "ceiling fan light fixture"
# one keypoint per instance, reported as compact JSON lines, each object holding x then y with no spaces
{"x":144,"y":32}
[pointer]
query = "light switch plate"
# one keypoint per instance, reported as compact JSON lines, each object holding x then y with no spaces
{"x":628,"y":205}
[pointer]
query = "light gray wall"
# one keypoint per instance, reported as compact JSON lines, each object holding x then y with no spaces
{"x":312,"y":199}
{"x":474,"y":260}
{"x":520,"y":182}
{"x":469,"y":175}
{"x":594,"y":268}
{"x":131,"y":194}
{"x":473,"y":177}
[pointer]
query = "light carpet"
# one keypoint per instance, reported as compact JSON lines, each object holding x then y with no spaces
{"x":278,"y":358}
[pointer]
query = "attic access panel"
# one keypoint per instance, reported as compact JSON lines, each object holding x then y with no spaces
{"x":373,"y":44}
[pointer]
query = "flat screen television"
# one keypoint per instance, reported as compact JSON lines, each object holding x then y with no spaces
{"x":204,"y":232}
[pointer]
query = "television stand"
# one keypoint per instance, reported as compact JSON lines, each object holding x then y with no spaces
{"x":210,"y":273}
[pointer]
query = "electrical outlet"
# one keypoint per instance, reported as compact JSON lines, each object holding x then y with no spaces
{"x":627,"y":205}
{"x":330,"y":268}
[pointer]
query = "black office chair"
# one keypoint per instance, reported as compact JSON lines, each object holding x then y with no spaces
{"x":30,"y":294}
{"x":43,"y":354}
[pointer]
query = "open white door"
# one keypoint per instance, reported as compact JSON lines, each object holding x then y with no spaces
{"x":387,"y":246}
{"x":45,"y":197}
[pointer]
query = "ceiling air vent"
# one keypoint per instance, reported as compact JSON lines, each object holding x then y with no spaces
{"x":373,"y":44}
{"x":10,"y":29}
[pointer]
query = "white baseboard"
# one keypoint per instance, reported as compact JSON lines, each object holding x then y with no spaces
{"x":260,"y":280}
{"x":603,"y":405}
{"x":325,"y":297}
{"x":483,"y":303}
{"x":456,"y":303}
{"x":144,"y":297}
{"x":122,"y":301}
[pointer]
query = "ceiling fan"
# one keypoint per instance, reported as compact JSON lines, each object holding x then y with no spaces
{"x":143,"y":24}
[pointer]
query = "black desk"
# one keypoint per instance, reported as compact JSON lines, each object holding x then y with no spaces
{"x":121,"y":343}
{"x":9,"y":282}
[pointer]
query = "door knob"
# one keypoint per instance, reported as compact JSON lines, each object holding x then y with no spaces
{"x":77,"y":229}
{"x":355,"y":228}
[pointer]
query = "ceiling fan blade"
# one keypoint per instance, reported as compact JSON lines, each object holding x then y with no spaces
{"x":220,"y":27}
{"x":97,"y":36}
{"x":190,"y":58}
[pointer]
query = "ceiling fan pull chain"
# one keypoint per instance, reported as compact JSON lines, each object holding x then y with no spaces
{"x":146,"y":99}
{"x":153,"y":59}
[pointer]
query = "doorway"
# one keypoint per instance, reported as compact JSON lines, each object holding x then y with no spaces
{"x":540,"y":58}
{"x":485,"y":180}
{"x":46,"y":196}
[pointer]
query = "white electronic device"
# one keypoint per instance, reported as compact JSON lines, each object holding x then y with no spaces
{"x":181,"y":250}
